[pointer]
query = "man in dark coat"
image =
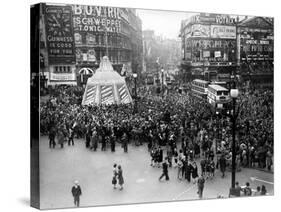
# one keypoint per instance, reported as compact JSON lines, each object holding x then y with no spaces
{"x":188,"y":170}
{"x":165,"y":170}
{"x":222,"y":163}
{"x":52,"y":136}
{"x":125,"y":142}
{"x":76,"y":193}
{"x":112,"y":142}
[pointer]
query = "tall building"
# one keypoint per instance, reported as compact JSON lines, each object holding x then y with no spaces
{"x":216,"y":46}
{"x":208,"y":47}
{"x":256,"y":42}
{"x":81,"y":35}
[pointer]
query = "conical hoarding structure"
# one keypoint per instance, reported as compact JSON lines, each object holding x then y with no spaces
{"x":106,"y":86}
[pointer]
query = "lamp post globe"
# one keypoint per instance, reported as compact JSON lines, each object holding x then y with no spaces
{"x":234,"y":93}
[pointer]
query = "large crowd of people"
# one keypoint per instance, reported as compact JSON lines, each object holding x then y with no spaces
{"x":176,"y":127}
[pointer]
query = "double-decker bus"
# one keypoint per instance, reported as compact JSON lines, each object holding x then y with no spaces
{"x":199,"y":88}
{"x":218,"y":96}
{"x":221,"y":83}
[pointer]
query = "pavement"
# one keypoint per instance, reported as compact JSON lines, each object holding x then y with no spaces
{"x":60,"y":167}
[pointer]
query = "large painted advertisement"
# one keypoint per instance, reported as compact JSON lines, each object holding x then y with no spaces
{"x":59,"y":34}
{"x":220,"y":31}
{"x":199,"y":30}
{"x":97,"y":18}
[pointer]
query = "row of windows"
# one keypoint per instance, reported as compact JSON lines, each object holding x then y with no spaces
{"x":218,"y":93}
{"x":200,"y":84}
{"x":99,"y":39}
{"x":62,"y":69}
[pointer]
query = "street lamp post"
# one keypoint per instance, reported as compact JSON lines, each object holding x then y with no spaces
{"x":234,"y":94}
{"x":217,"y":132}
{"x":135,"y":75}
{"x":162,"y":81}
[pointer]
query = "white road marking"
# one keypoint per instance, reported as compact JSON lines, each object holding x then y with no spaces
{"x":256,"y":179}
{"x":182,"y":193}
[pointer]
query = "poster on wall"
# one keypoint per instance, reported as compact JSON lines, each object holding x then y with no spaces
{"x":217,"y":53}
{"x":62,"y":77}
{"x":206,"y":53}
{"x":91,"y":55}
{"x":199,"y":30}
{"x":59,"y":34}
{"x":220,"y":31}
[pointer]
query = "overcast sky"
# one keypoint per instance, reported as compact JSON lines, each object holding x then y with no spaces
{"x":165,"y":23}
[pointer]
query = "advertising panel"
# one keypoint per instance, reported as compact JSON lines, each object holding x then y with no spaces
{"x":219,"y":31}
{"x":199,"y":30}
{"x":62,"y":77}
{"x":206,"y":53}
{"x":91,"y":55}
{"x":59,"y":34}
{"x":97,"y":19}
{"x":217,"y":53}
{"x":209,"y":43}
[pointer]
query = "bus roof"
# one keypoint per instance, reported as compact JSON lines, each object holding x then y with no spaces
{"x":218,"y":82}
{"x":218,"y":88}
{"x":200,"y":81}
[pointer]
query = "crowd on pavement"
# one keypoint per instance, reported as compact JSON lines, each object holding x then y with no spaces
{"x":177,"y":129}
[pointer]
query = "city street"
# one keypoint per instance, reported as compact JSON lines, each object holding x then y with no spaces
{"x":60,"y":167}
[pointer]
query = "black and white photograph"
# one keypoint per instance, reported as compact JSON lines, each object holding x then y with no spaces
{"x":126,"y":109}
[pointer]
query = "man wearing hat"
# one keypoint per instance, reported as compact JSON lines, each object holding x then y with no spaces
{"x":76,"y":193}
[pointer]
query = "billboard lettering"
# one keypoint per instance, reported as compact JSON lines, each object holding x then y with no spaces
{"x":219,"y":31}
{"x":59,"y":34}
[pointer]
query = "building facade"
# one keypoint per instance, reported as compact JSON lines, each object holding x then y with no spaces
{"x":82,"y":35}
{"x":216,"y":46}
{"x":256,"y":41}
{"x":208,"y":47}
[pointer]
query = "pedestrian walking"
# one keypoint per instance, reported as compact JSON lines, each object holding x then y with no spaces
{"x":188,"y":169}
{"x":180,"y":166}
{"x":165,"y":170}
{"x":52,"y":135}
{"x":125,"y":142}
{"x":76,"y":193}
{"x":120,"y":177}
{"x":115,"y":175}
{"x":70,"y":138}
{"x":203,"y":163}
{"x":112,"y":142}
{"x":194,"y":171}
{"x":176,"y":157}
{"x":200,"y":185}
{"x":222,"y":162}
{"x":88,"y":139}
{"x":61,"y":139}
{"x":94,"y":140}
{"x":103,"y":143}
